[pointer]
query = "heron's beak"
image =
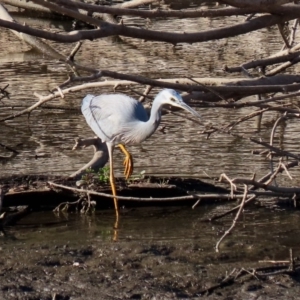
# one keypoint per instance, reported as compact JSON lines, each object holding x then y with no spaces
{"x":189,"y":109}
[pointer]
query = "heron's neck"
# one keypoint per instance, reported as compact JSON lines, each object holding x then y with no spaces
{"x":155,"y":115}
{"x":144,"y":130}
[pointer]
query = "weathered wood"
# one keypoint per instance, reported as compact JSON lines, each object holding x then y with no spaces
{"x":34,"y":42}
{"x":148,"y":191}
{"x":100,"y":157}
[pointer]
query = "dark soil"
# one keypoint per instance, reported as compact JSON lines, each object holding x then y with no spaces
{"x":133,"y":270}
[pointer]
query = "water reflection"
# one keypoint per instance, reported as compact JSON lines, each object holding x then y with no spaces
{"x":251,"y":236}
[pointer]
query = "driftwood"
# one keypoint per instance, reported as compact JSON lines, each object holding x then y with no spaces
{"x":34,"y":42}
{"x":12,"y":217}
{"x":99,"y":159}
{"x":53,"y":190}
{"x":240,"y":275}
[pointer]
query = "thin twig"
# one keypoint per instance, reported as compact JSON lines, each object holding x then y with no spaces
{"x":275,"y":173}
{"x":219,"y":216}
{"x":74,"y":51}
{"x":292,"y":261}
{"x":282,"y":27}
{"x":293,"y":32}
{"x":275,"y":149}
{"x":235,"y":219}
{"x":229,"y":279}
{"x":9,"y":148}
{"x":227,"y":128}
{"x":207,"y":87}
{"x":4,"y":93}
{"x":286,"y":170}
{"x":188,"y":197}
{"x":65,"y":205}
{"x":284,"y":190}
{"x":232,"y":185}
{"x":146,"y":93}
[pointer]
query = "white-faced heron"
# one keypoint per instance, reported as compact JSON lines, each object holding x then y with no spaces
{"x":119,"y":120}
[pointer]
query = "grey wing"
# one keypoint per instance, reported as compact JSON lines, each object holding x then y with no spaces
{"x":112,"y":116}
{"x":96,"y":112}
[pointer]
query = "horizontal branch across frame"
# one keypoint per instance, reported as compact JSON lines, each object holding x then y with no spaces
{"x":109,"y":29}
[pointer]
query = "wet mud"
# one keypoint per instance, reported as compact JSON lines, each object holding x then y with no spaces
{"x":134,"y":270}
{"x":164,"y":252}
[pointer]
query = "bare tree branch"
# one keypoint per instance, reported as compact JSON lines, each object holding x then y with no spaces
{"x":31,"y":40}
{"x":108,"y":29}
{"x":255,"y":3}
{"x":99,"y":159}
{"x":27,"y":5}
{"x":150,"y":199}
{"x":121,"y":10}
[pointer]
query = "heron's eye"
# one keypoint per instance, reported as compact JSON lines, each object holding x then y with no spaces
{"x":172,"y":99}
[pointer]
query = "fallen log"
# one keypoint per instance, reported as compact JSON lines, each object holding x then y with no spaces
{"x":49,"y":191}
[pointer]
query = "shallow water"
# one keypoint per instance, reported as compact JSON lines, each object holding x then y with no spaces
{"x":258,"y":234}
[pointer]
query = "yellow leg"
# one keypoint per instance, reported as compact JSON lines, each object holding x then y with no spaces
{"x":128,"y":162}
{"x":112,"y":182}
{"x":113,"y":188}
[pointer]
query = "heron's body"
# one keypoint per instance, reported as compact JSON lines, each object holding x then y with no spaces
{"x":133,"y":127}
{"x":121,"y":120}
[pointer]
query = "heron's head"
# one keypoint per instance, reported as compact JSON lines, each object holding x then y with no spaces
{"x":173,"y":98}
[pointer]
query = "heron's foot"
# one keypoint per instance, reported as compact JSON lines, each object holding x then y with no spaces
{"x":128,"y":164}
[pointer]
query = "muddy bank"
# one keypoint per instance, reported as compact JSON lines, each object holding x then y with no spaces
{"x":135,"y":270}
{"x":157,"y":253}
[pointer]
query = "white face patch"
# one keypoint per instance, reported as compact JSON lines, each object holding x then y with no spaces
{"x":175,"y":97}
